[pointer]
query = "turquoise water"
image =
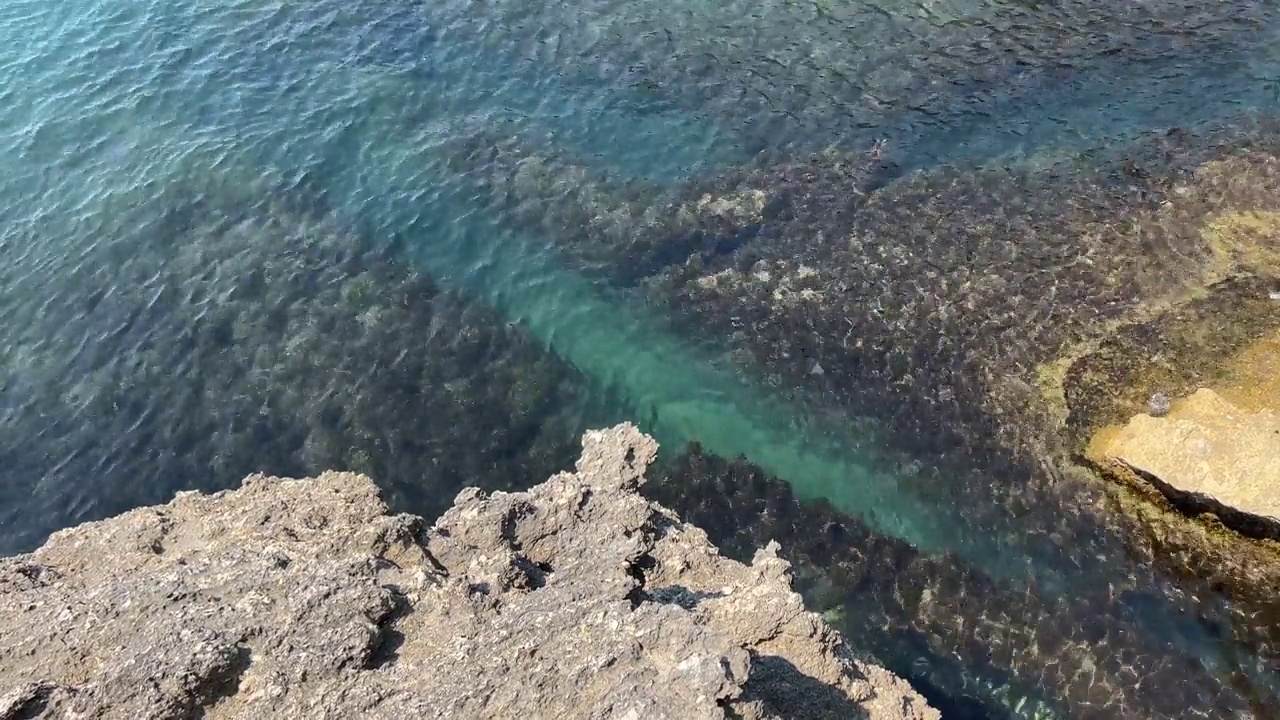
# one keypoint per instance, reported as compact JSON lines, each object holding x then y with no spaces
{"x":368,"y":117}
{"x":108,"y":105}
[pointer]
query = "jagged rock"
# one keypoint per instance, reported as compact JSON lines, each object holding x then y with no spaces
{"x":306,"y":598}
{"x":1210,"y":455}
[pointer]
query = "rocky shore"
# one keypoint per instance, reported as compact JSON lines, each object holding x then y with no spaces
{"x":1005,"y":320}
{"x":308,"y":598}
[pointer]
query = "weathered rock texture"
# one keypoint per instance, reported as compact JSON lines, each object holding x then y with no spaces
{"x":291,"y":598}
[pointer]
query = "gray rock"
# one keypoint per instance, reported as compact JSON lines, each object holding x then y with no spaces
{"x":305,"y":598}
{"x":1159,"y":405}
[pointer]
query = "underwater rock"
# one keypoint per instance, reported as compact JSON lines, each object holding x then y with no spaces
{"x":995,"y":318}
{"x":960,"y":636}
{"x":235,"y":326}
{"x":946,"y":292}
{"x":1225,"y":341}
{"x":1211,"y":455}
{"x":998,"y":317}
{"x":290,"y":598}
{"x":953,"y":298}
{"x":955,"y":301}
{"x":628,"y":230}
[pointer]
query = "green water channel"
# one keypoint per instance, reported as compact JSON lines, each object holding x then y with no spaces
{"x":678,"y":391}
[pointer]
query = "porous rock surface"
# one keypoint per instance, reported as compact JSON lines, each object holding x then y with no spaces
{"x":306,"y":598}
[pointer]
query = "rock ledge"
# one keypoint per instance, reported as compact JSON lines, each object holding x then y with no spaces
{"x":1208,"y":455}
{"x":306,"y":598}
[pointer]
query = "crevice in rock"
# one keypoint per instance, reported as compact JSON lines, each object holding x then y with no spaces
{"x":682,"y":596}
{"x":37,"y":575}
{"x":511,"y":524}
{"x":789,"y":693}
{"x":637,"y":569}
{"x":222,"y":684}
{"x":30,"y":702}
{"x":535,"y":573}
{"x":385,"y":650}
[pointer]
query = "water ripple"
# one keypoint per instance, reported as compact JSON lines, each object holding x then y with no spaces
{"x":210,"y":211}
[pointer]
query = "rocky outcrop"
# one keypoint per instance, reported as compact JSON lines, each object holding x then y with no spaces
{"x":306,"y":598}
{"x":1208,"y":455}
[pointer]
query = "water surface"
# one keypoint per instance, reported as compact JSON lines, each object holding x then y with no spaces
{"x":233,"y":240}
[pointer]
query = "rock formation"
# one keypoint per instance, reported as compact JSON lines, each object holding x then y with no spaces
{"x":306,"y":598}
{"x":992,"y":319}
{"x":1209,"y":456}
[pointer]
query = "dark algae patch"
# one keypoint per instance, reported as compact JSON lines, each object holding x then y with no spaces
{"x":290,"y":346}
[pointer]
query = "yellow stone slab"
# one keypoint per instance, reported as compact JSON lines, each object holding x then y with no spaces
{"x":1211,"y":452}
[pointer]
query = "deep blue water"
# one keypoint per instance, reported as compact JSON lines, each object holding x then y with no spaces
{"x":134,"y":131}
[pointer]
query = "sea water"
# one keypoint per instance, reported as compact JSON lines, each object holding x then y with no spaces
{"x":357,"y":104}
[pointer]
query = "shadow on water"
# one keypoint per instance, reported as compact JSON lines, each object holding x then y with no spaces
{"x":180,"y":315}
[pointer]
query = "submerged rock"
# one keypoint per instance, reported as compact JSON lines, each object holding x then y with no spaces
{"x":1209,"y":455}
{"x":290,"y":598}
{"x":993,"y":319}
{"x":628,"y":229}
{"x":235,"y":325}
{"x":976,"y":646}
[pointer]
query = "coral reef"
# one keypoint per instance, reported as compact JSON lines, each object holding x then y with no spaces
{"x":286,"y":598}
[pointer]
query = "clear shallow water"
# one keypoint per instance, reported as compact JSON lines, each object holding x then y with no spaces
{"x":123,"y":120}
